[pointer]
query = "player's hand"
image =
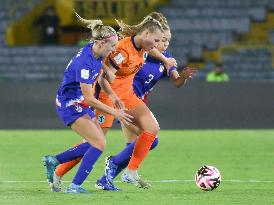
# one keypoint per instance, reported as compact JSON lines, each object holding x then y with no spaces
{"x":188,"y":72}
{"x":122,"y":116}
{"x":117,"y":103}
{"x":170,"y":62}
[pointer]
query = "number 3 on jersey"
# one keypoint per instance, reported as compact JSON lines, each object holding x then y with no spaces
{"x":150,"y":79}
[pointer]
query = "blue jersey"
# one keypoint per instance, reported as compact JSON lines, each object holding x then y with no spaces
{"x":152,"y":71}
{"x":83,"y":68}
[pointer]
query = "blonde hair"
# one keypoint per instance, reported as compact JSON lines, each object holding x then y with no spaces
{"x":98,"y":30}
{"x":130,"y":30}
{"x":161,"y":18}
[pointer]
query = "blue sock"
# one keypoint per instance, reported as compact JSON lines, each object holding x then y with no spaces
{"x":73,"y":153}
{"x":124,"y":154}
{"x":86,"y":166}
{"x":154,"y":144}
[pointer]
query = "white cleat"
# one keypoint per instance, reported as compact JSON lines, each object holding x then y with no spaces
{"x":132,"y":177}
{"x":56,"y":184}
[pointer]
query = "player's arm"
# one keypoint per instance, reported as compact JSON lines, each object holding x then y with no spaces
{"x":180,"y":79}
{"x":105,"y":85}
{"x":108,"y":72}
{"x":114,"y":61}
{"x":92,"y":101}
{"x":168,"y":62}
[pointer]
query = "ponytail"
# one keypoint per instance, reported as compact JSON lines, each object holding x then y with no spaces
{"x":98,"y":30}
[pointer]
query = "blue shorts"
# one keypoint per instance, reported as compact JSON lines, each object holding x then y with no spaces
{"x":69,"y":114}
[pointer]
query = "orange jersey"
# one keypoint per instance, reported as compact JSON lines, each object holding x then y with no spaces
{"x":128,"y":60}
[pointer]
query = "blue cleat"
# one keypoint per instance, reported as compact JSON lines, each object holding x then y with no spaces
{"x":103,"y":184}
{"x":76,"y":189}
{"x":50,"y":162}
{"x":111,"y":170}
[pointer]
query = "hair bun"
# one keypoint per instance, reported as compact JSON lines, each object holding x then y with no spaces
{"x":94,"y":23}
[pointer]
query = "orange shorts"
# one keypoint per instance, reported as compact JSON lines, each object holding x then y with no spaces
{"x":129,"y":99}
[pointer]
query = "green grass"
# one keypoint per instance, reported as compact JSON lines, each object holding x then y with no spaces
{"x":243,"y":155}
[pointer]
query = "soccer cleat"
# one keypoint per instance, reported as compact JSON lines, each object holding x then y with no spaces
{"x":56,"y":184}
{"x":132,"y":177}
{"x":50,"y":162}
{"x":103,"y":184}
{"x":124,"y":178}
{"x":110,"y":170}
{"x":76,"y":189}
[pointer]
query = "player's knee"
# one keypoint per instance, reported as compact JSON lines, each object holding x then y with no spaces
{"x":156,"y":128}
{"x":103,"y":144}
{"x":154,"y":144}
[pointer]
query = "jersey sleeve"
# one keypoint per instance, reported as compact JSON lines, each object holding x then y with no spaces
{"x":85,"y":74}
{"x":118,"y":58}
{"x":167,"y":54}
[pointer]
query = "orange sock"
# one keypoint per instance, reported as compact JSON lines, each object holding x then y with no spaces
{"x":141,"y":149}
{"x":62,"y":169}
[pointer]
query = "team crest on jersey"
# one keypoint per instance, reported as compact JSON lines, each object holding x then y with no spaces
{"x":119,"y":58}
{"x":145,"y":55}
{"x":101,"y":118}
{"x":78,"y":108}
{"x":85,"y":74}
{"x":162,"y":68}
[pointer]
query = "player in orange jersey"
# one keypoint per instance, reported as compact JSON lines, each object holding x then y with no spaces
{"x":125,"y":62}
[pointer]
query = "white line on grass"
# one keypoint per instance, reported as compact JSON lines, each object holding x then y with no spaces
{"x":153,"y":181}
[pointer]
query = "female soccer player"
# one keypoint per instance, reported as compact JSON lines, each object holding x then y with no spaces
{"x":125,"y":62}
{"x":74,"y":98}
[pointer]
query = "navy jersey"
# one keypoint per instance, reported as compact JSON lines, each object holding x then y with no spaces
{"x":152,"y":71}
{"x":83,"y":68}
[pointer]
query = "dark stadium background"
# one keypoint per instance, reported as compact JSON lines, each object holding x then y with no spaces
{"x":238,"y":34}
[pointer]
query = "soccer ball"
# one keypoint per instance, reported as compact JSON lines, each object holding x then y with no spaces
{"x":208,"y":178}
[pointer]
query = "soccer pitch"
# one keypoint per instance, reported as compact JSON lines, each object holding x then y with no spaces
{"x":244,"y":158}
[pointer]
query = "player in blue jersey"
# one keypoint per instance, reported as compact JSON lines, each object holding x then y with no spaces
{"x":144,"y":81}
{"x":75,"y":103}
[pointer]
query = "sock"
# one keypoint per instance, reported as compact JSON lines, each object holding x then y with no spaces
{"x":73,"y":153}
{"x":125,"y":154}
{"x":141,"y":149}
{"x":64,"y":168}
{"x":155,"y":143}
{"x":86,"y":166}
{"x":124,"y":164}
